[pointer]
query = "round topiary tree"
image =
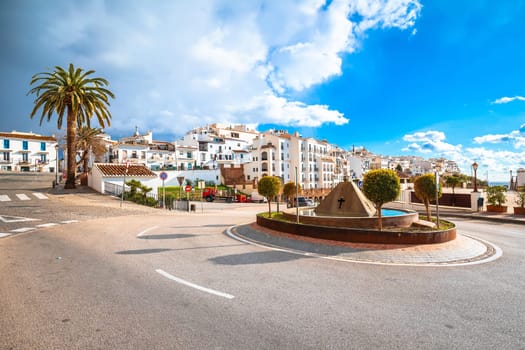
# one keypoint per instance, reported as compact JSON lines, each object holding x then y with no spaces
{"x":269,"y":187}
{"x":289,"y":190}
{"x":425,"y":189}
{"x":381,"y":186}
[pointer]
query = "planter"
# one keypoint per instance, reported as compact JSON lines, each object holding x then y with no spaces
{"x":497,"y":208}
{"x":519,"y":211}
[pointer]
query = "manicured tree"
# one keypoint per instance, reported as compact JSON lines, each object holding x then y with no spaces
{"x":290,"y":191}
{"x":269,"y":187}
{"x":381,"y":186}
{"x":425,"y":189}
{"x":453,"y":181}
{"x":77,"y":95}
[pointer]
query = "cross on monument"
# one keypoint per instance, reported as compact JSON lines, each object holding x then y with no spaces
{"x":341,"y":201}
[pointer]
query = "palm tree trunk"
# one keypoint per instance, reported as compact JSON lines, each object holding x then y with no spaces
{"x":71,"y":149}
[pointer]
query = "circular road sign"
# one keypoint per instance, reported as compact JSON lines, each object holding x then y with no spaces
{"x":187,"y":188}
{"x":163,"y":175}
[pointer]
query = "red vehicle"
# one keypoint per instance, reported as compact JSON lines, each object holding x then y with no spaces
{"x":209,"y":194}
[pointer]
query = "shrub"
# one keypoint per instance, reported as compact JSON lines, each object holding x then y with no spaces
{"x":496,"y":195}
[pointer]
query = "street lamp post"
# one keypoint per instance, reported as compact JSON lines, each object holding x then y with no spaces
{"x":56,"y":164}
{"x":475,"y":168}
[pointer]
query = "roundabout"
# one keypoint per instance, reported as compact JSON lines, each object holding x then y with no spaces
{"x":462,"y":251}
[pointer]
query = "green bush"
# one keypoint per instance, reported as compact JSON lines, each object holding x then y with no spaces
{"x":496,"y":195}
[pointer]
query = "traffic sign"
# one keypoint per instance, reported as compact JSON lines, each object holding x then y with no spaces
{"x":163,"y":175}
{"x":187,"y":188}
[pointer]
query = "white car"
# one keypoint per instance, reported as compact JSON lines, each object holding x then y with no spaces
{"x":257,"y":198}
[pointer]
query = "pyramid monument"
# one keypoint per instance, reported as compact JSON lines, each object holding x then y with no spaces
{"x":346,"y":199}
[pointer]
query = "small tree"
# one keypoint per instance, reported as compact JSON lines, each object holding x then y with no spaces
{"x":496,"y":195}
{"x":425,"y":189}
{"x":520,"y":200}
{"x":454,"y":181}
{"x":289,"y":190}
{"x":269,"y":187}
{"x":381,"y":186}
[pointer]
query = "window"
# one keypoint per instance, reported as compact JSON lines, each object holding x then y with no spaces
{"x":42,"y":146}
{"x":43,"y":158}
{"x":25,"y":157}
{"x":6,"y":156}
{"x":188,"y":155}
{"x":25,"y":145}
{"x":6,"y":144}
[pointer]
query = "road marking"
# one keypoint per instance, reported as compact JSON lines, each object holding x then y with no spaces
{"x":23,"y":196}
{"x":146,"y":230}
{"x":68,"y":221}
{"x":40,"y":195}
{"x":4,"y":234}
{"x":9,"y":218}
{"x":4,"y":198}
{"x":47,"y":225}
{"x":23,"y":229}
{"x":192,"y":285}
{"x":497,"y":255}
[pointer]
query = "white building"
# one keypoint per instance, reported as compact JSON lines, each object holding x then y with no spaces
{"x":28,"y":152}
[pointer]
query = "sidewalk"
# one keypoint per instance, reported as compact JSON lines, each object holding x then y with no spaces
{"x":461,"y":213}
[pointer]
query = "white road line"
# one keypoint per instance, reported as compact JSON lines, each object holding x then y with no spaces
{"x":68,"y":221}
{"x":47,"y":225}
{"x":497,"y":255}
{"x":146,"y":230}
{"x":4,"y":198}
{"x":8,"y":218}
{"x":23,"y":196}
{"x":192,"y":285}
{"x":40,"y":195}
{"x":4,"y":234}
{"x":23,"y":229}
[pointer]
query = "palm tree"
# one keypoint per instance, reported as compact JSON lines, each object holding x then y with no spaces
{"x":76,"y":94}
{"x":89,"y":140}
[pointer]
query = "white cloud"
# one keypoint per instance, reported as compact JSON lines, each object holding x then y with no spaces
{"x":425,"y":136}
{"x":431,"y":142}
{"x":496,"y":162}
{"x":515,"y":137}
{"x":215,"y":60}
{"x":508,"y":99}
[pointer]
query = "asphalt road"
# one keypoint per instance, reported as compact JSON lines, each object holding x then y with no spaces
{"x":157,"y":280}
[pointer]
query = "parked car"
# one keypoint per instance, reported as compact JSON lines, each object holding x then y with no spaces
{"x":258,"y":198}
{"x":302,"y":201}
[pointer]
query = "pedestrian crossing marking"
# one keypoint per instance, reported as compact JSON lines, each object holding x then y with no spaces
{"x":4,"y":234}
{"x":68,"y":221}
{"x":23,"y":197}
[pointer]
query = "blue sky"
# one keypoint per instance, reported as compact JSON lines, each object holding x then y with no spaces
{"x":400,"y":77}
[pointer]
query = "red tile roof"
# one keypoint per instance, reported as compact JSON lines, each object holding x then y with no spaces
{"x":120,"y":170}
